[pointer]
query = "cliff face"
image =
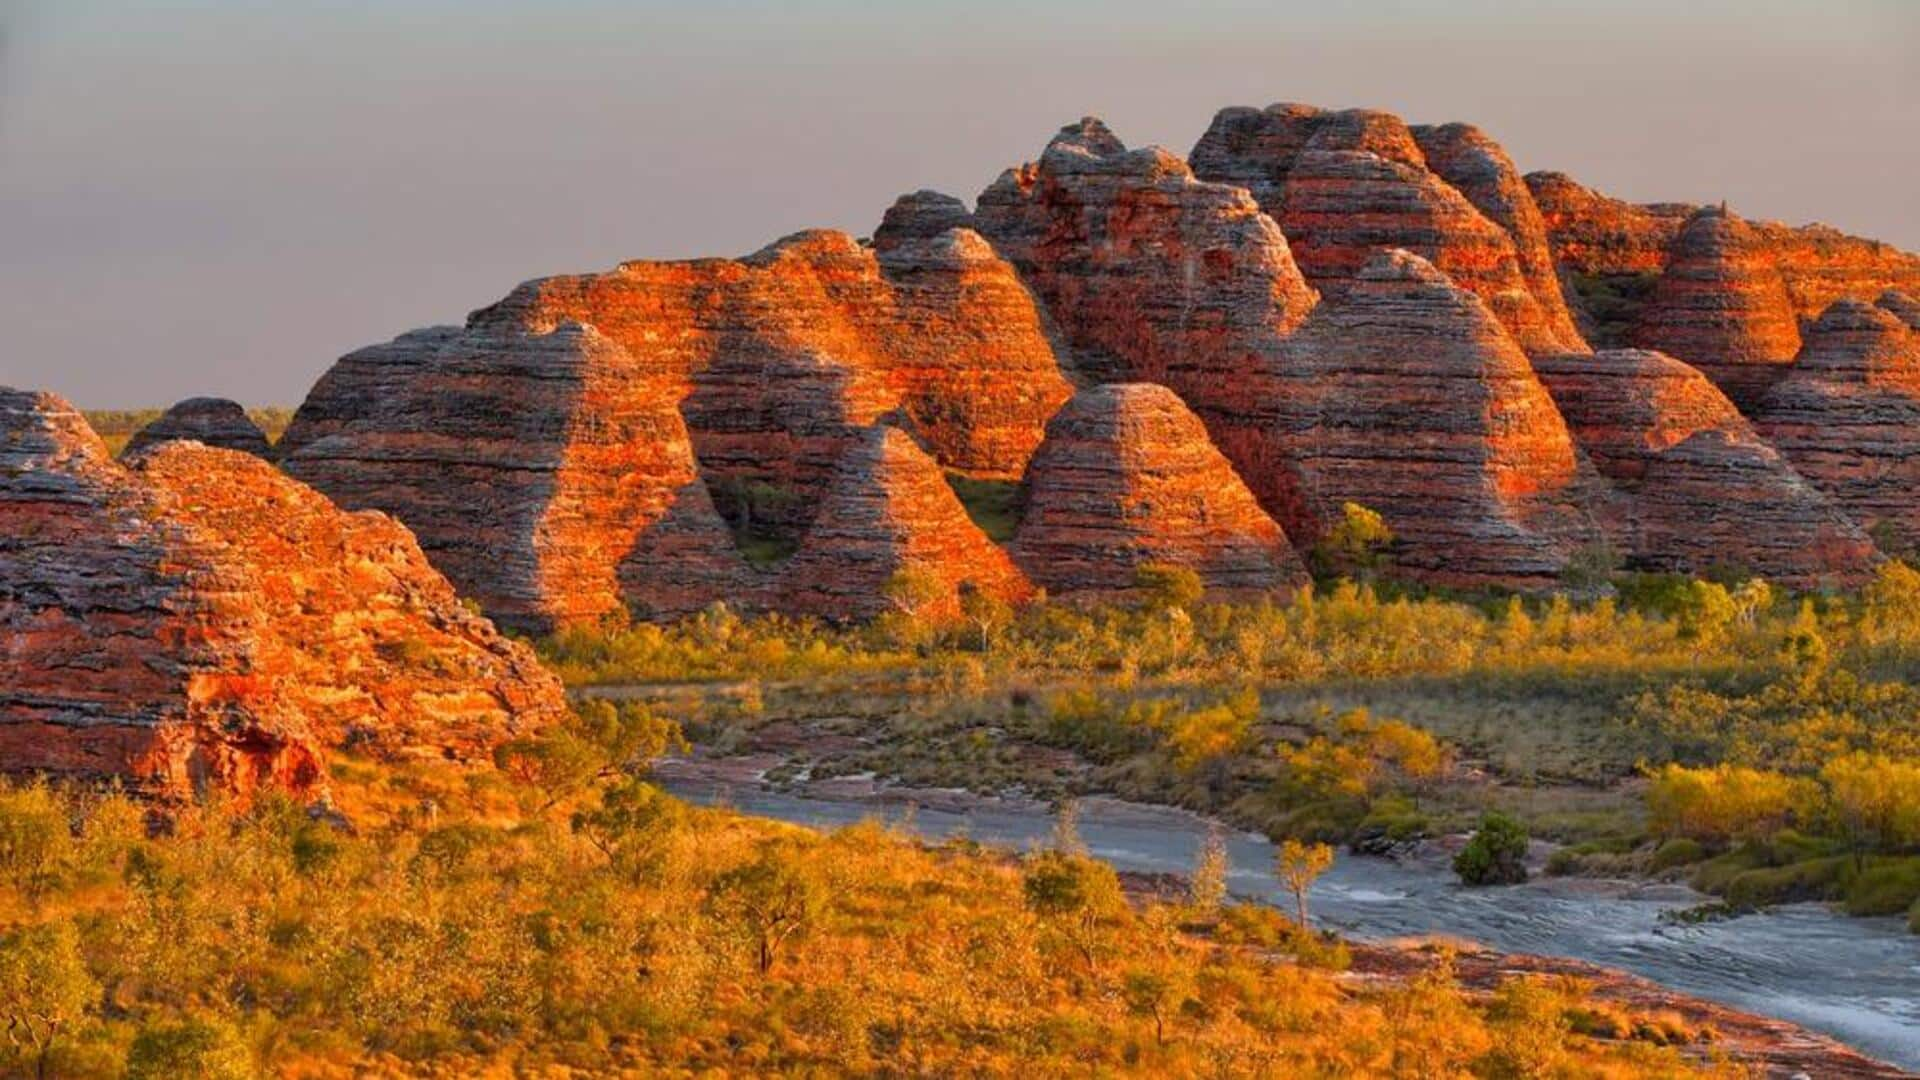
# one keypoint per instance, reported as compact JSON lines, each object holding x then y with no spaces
{"x":1722,"y":306}
{"x":201,"y":621}
{"x":1410,"y":398}
{"x":1127,"y":477}
{"x":213,"y":421}
{"x":1345,"y":185}
{"x":779,"y":360}
{"x":891,"y":536}
{"x":548,"y":475}
{"x":1848,"y":417}
{"x":1701,"y":489}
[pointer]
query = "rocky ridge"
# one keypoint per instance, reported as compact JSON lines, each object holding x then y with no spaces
{"x":213,"y":421}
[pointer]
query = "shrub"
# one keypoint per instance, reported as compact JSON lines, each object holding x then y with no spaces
{"x":203,"y":1048}
{"x":1884,"y":888}
{"x":1816,"y":879}
{"x":1496,"y":854}
{"x":1679,"y":851}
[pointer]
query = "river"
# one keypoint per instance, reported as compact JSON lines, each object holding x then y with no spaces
{"x":1855,"y":979}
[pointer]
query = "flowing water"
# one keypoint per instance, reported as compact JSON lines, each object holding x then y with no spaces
{"x":1855,"y":979}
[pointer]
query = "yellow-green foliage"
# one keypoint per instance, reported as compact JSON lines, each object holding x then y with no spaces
{"x":624,"y":931}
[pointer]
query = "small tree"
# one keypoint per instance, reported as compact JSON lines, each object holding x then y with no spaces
{"x":1166,"y":586}
{"x":1155,"y":993}
{"x":205,"y":1049}
{"x":45,"y":988}
{"x":631,"y":825}
{"x":1355,"y":544}
{"x":1207,"y":888}
{"x":600,"y":740}
{"x":1076,"y":893}
{"x":1497,"y":853}
{"x":987,"y":613}
{"x":1298,"y":866}
{"x":769,"y":902}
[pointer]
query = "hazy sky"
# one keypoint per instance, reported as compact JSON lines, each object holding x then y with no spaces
{"x":220,"y":198}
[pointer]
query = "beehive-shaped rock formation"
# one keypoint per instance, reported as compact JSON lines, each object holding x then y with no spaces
{"x":1409,"y":397}
{"x":213,"y":421}
{"x":1701,"y":490}
{"x":1345,"y":185}
{"x":1848,"y":417}
{"x":779,"y":360}
{"x":890,"y":536}
{"x":548,"y":475}
{"x":1722,"y":306}
{"x":1127,"y":477}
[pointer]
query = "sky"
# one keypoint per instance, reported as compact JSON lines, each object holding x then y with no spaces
{"x":222,"y":197}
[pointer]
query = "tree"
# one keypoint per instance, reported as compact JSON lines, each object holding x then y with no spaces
{"x":1076,"y":893}
{"x":45,"y":988}
{"x":599,"y":740}
{"x":1166,"y":586}
{"x":631,"y":824}
{"x":1497,"y":853}
{"x":770,"y":902}
{"x":1207,"y":888}
{"x":1154,"y":992}
{"x":1354,"y":545}
{"x":912,"y":592}
{"x":988,"y":614}
{"x":1298,"y":866}
{"x":205,"y":1049}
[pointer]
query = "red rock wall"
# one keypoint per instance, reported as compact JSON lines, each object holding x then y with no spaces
{"x":1127,"y":477}
{"x":1701,"y":489}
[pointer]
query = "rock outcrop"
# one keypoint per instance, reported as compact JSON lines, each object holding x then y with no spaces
{"x":1701,"y":489}
{"x":891,"y":536}
{"x":201,"y":621}
{"x":1345,"y":185}
{"x":779,"y":360}
{"x":548,"y":475}
{"x":1151,"y":275}
{"x":1408,"y":397}
{"x":1722,"y":306}
{"x":1848,"y":417}
{"x":1904,"y":307}
{"x":1127,"y":477}
{"x":213,"y":421}
{"x":1608,"y":247}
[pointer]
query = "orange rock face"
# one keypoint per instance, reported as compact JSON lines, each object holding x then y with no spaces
{"x":1701,"y":489}
{"x":1848,"y":417}
{"x":213,"y":421}
{"x":201,"y":621}
{"x":1408,"y":397}
{"x":778,"y":360}
{"x":1722,"y":306}
{"x":548,"y":475}
{"x":890,"y":535}
{"x":1345,"y":185}
{"x":1151,"y":275}
{"x":1127,"y":477}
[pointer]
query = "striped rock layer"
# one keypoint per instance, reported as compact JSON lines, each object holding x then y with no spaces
{"x":1848,"y":417}
{"x":779,"y":360}
{"x":200,"y":621}
{"x":1345,"y":185}
{"x":213,"y":421}
{"x":1700,"y":488}
{"x":548,"y":475}
{"x":1126,"y":478}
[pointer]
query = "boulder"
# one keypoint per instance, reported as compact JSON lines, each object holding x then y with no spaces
{"x":213,"y":421}
{"x":1127,"y":477}
{"x":548,"y":474}
{"x":1700,"y":489}
{"x":891,"y":536}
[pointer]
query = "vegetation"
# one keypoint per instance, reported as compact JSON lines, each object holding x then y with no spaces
{"x":1497,"y":853}
{"x":116,"y":426}
{"x":561,"y":914}
{"x":1665,"y":709}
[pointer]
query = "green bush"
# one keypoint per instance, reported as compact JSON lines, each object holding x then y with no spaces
{"x":1497,"y":853}
{"x":1886,"y":887}
{"x":1815,"y":879}
{"x":203,"y":1048}
{"x":1913,"y":917}
{"x":1679,"y":851}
